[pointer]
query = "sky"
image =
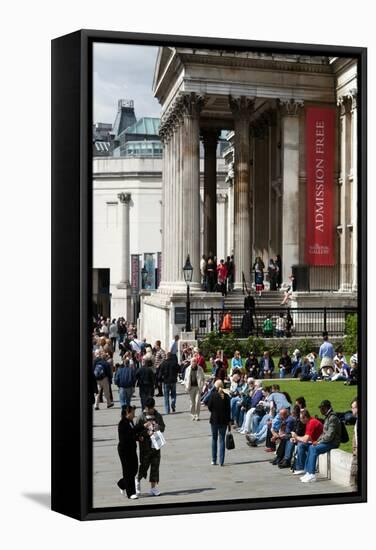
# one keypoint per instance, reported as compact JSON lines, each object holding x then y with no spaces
{"x":123,"y":71}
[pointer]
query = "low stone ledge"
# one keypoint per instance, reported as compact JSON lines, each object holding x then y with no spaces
{"x":340,"y":466}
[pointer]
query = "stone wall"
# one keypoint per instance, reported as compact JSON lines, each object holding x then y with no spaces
{"x":340,"y":466}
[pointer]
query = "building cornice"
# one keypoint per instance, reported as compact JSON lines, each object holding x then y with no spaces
{"x":249,"y":60}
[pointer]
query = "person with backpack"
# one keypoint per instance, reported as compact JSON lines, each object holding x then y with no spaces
{"x":146,"y":380}
{"x":125,"y":379}
{"x":103,"y":375}
{"x":168,"y":371}
{"x":328,"y":440}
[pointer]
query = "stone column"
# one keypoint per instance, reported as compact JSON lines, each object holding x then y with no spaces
{"x":344,"y":103}
{"x":124,"y":199}
{"x":191,"y":106}
{"x":230,"y":206}
{"x":165,"y":133}
{"x":290,"y":202}
{"x":124,"y":285}
{"x":354,"y":197}
{"x":222,"y":249}
{"x":210,"y":140}
{"x":242,"y":108}
{"x":260,"y":191}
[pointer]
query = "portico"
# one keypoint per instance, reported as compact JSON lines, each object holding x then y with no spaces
{"x":261,"y":100}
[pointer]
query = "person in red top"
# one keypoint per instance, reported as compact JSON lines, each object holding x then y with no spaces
{"x":222,"y":277}
{"x":200,"y":359}
{"x":312,"y":432}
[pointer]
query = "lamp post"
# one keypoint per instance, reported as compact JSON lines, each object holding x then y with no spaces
{"x":188,"y":271}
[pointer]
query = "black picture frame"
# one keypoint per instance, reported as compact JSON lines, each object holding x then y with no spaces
{"x":72,"y":259}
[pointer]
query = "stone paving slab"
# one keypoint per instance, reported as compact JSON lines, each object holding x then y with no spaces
{"x":186,"y":474}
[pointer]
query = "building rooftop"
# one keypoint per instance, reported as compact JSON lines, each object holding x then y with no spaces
{"x":125,"y":116}
{"x":147,"y":126}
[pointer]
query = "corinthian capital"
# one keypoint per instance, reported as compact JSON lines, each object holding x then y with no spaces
{"x":241,"y":106}
{"x":124,"y":198}
{"x":348,"y":101}
{"x":291,"y":107}
{"x":190,"y":104}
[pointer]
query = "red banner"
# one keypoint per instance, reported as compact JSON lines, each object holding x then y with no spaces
{"x":320,"y":189}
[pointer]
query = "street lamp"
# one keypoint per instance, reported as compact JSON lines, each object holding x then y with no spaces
{"x":188,"y":271}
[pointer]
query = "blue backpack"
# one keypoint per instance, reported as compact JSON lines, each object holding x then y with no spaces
{"x":99,"y":371}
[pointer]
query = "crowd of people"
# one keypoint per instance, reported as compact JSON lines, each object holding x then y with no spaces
{"x":279,"y":326}
{"x":236,"y":395}
{"x":217,"y":277}
{"x":220,"y":276}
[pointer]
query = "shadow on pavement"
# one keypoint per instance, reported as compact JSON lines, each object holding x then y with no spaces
{"x":188,"y":491}
{"x":248,"y":462}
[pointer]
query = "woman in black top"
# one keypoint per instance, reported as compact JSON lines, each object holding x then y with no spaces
{"x":127,"y":449}
{"x":220,"y":419}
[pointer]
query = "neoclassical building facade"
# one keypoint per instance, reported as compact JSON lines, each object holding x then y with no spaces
{"x":291,"y":177}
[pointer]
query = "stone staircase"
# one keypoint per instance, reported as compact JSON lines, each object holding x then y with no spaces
{"x":269,"y":299}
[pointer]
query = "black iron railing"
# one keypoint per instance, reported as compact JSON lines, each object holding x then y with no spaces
{"x":304,"y":321}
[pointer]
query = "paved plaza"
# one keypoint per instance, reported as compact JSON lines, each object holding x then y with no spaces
{"x":186,"y":474}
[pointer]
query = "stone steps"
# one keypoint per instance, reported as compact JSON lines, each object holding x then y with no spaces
{"x":272,"y":299}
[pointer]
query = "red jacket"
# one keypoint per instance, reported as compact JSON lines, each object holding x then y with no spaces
{"x":222,"y":273}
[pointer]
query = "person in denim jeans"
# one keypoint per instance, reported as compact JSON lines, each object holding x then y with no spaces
{"x":168,"y":375}
{"x":220,"y":420}
{"x":329,"y":439}
{"x":125,"y":379}
{"x":313,"y":430}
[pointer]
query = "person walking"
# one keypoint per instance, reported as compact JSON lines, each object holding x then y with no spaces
{"x":169,"y":370}
{"x":145,"y":379}
{"x":127,"y":449}
{"x":194,"y":382}
{"x":354,"y":462}
{"x":174,"y":347}
{"x":103,"y":374}
{"x":113,"y":334}
{"x":222,"y":277}
{"x":326,"y":354}
{"x":220,"y":420}
{"x":149,"y":422}
{"x":125,"y":379}
{"x":160,"y":355}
